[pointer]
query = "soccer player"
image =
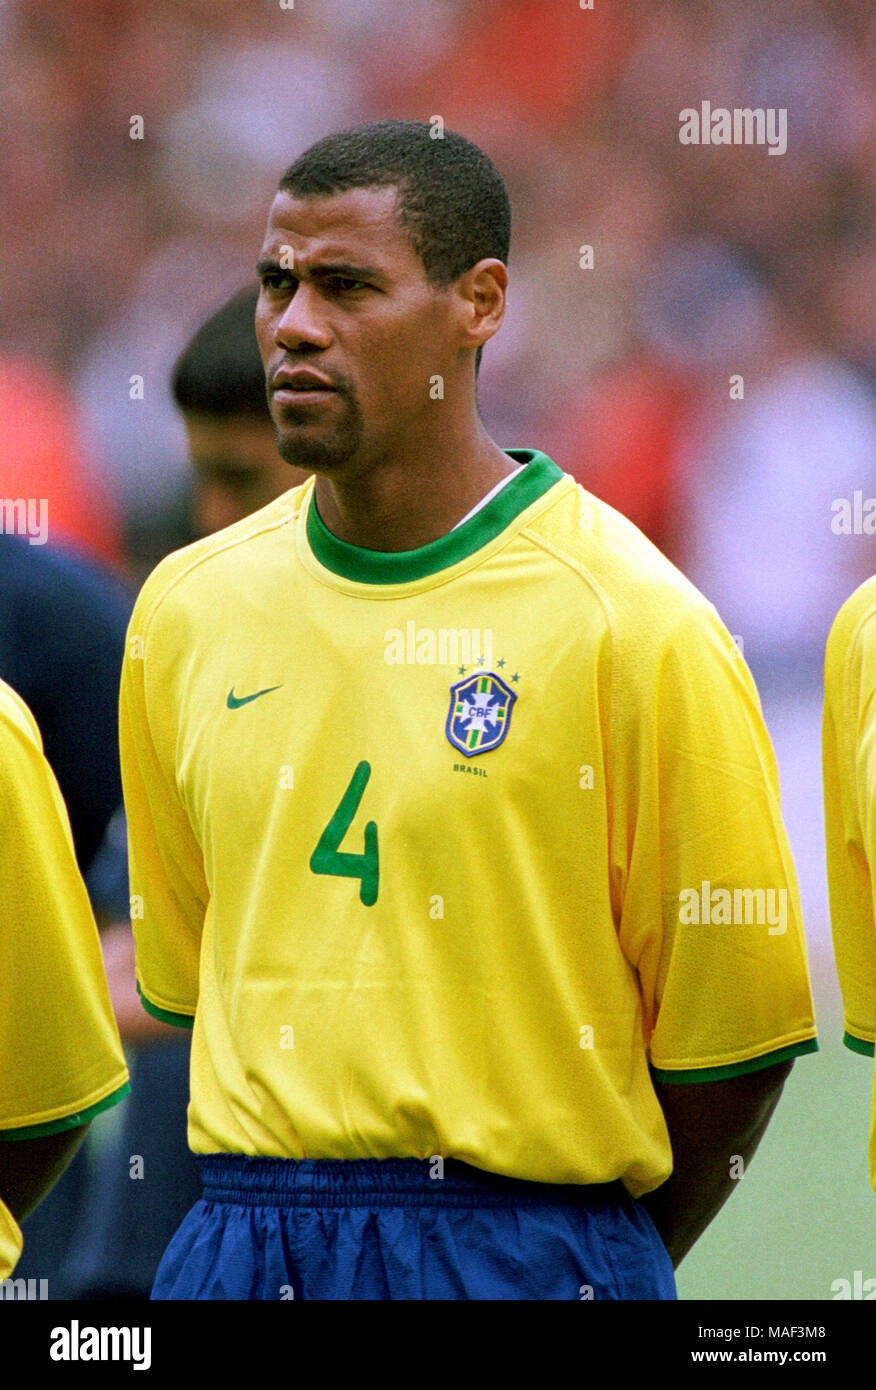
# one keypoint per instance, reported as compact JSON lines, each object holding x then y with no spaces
{"x":439,"y":780}
{"x":61,"y":1060}
{"x":849,"y":758}
{"x":218,"y":382}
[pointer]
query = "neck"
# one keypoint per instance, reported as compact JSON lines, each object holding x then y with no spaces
{"x":404,"y":502}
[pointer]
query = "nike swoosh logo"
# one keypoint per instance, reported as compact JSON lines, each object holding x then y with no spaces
{"x":234,"y":702}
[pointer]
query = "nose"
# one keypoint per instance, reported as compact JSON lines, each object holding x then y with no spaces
{"x":302,"y":323}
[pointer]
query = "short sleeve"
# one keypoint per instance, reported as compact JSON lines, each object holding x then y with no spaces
{"x":61,"y":1059}
{"x":704,"y":879}
{"x":849,"y":768}
{"x":169,"y":894}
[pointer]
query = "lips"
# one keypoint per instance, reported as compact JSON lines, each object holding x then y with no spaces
{"x":299,"y":379}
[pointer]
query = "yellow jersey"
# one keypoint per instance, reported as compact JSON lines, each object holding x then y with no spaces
{"x":414,"y":839}
{"x":10,"y":1242}
{"x":849,"y":758}
{"x":61,"y":1059}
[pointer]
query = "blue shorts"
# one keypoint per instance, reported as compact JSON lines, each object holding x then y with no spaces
{"x":270,"y":1228}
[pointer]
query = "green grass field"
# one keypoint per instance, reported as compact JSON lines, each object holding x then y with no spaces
{"x":805,"y":1213}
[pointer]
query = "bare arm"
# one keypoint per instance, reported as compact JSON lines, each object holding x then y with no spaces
{"x":29,"y":1168}
{"x":135,"y":1024}
{"x":710,"y":1123}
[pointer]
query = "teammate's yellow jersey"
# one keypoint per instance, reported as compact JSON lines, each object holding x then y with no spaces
{"x":10,"y":1241}
{"x":849,"y":754}
{"x":61,"y":1060}
{"x":416,"y":837}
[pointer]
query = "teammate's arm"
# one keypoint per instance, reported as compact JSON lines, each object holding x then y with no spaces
{"x":29,"y":1168}
{"x":849,"y":768}
{"x":61,"y":1060}
{"x":726,"y":993}
{"x":712,"y":1124}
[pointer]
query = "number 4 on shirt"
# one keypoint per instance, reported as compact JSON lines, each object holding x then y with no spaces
{"x":327,"y":857}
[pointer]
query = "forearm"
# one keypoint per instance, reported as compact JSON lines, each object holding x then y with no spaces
{"x":712,"y":1126}
{"x":135,"y":1024}
{"x":29,"y":1168}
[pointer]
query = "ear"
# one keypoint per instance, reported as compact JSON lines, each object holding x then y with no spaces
{"x":481,"y":299}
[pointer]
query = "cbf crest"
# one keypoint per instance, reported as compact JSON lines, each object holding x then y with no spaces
{"x":480,"y":712}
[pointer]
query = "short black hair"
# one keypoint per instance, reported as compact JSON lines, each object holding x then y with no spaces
{"x":220,"y":372}
{"x":453,"y":201}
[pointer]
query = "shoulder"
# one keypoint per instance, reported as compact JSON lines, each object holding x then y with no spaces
{"x":853,"y":627}
{"x":850,"y":661}
{"x":17,"y":724}
{"x":646,"y":600}
{"x":213,"y":567}
{"x":25,"y":772}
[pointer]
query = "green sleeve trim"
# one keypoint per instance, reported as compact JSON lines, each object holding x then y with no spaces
{"x":769,"y":1059}
{"x":81,"y":1117}
{"x":164,"y":1015}
{"x":866,"y":1049}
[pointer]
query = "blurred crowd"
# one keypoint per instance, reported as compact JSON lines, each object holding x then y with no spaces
{"x":707,"y":261}
{"x":142,"y":143}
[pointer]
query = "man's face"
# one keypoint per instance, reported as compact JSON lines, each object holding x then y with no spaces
{"x":356,"y":310}
{"x":237,"y":468}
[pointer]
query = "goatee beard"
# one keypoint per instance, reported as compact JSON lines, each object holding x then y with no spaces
{"x":322,"y":452}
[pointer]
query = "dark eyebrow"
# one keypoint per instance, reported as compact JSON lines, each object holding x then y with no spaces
{"x":265,"y":266}
{"x":347,"y":270}
{"x":322,"y":272}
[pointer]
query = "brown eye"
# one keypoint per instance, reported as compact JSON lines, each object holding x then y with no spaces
{"x":275,"y":280}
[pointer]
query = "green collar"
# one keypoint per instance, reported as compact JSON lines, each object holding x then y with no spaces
{"x":404,"y":566}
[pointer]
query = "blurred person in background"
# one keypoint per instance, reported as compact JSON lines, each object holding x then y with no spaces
{"x":618,"y":440}
{"x":759,"y":479}
{"x":44,"y":457}
{"x":63,"y":615}
{"x":218,"y":385}
{"x":62,"y":639}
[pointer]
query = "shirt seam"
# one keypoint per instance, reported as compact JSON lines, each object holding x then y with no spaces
{"x":154,"y":603}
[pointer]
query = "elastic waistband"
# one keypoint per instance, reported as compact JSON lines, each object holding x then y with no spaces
{"x":382,"y":1182}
